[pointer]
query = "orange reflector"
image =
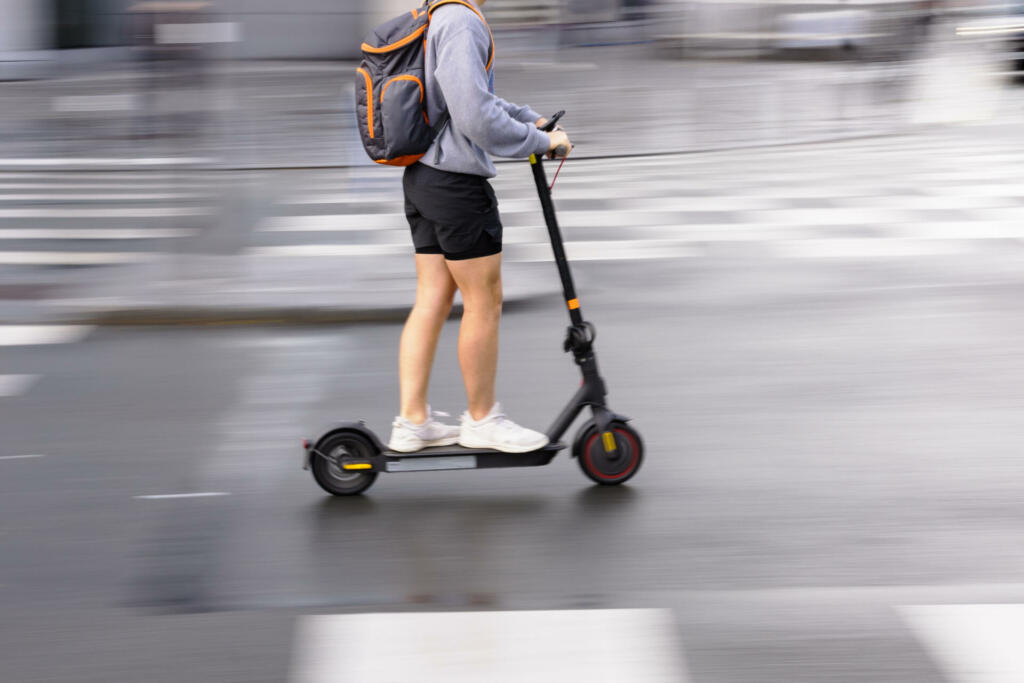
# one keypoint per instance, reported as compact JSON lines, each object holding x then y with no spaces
{"x":609,"y":442}
{"x":574,"y":304}
{"x":357,"y":466}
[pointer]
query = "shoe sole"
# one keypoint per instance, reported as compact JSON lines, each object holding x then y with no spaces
{"x":504,"y":448}
{"x":450,"y":441}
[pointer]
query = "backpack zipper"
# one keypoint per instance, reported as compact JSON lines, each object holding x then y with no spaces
{"x":369,"y":99}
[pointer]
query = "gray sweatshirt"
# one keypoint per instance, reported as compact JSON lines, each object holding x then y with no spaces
{"x":457,"y":80}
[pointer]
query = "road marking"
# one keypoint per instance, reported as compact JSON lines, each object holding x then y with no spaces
{"x":584,"y":219}
{"x":961,"y":230}
{"x":609,"y":250}
{"x":107,"y":161}
{"x":114,"y":102}
{"x":869,"y":247}
{"x":74,"y":258}
{"x":830,"y":216}
{"x":560,"y":66}
{"x":332,"y":250}
{"x":95,"y":234}
{"x":951,"y":200}
{"x":604,"y":250}
{"x":63,"y":182}
{"x":14,"y":385}
{"x":969,"y":190}
{"x":635,"y":645}
{"x":30,"y":335}
{"x":973,"y":643}
{"x":335,"y":222}
{"x":292,"y":95}
{"x":170,"y":196}
{"x":20,"y":457}
{"x":125,"y":212}
{"x":165,"y":496}
{"x":118,"y":179}
{"x":707,"y":204}
{"x":198,"y":33}
{"x":343,"y":199}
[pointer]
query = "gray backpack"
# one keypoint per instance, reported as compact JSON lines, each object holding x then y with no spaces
{"x":391,"y":111}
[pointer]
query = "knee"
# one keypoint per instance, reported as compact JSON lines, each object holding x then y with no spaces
{"x":434,"y":304}
{"x":484,"y":300}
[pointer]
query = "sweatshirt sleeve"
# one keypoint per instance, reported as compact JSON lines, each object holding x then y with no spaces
{"x":519,"y":113}
{"x":475,"y":112}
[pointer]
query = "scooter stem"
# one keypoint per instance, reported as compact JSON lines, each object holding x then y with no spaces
{"x":557,"y":245}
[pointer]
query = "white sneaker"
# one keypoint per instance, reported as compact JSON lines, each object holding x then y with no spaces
{"x":500,"y":433}
{"x":407,"y":436}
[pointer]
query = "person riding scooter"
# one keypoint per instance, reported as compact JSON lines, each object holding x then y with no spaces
{"x":457,"y":234}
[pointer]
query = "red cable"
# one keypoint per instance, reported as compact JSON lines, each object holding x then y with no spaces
{"x":556,"y":174}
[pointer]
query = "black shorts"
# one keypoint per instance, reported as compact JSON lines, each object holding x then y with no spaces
{"x":455,"y":214}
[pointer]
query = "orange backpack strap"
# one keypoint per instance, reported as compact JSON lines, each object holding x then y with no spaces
{"x":433,"y":6}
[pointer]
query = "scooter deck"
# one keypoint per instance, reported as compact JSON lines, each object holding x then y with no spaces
{"x":459,"y":458}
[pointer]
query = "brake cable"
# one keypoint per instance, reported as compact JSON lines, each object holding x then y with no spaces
{"x":559,"y":170}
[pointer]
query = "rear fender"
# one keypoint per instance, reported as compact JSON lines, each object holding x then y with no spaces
{"x":312,"y":446}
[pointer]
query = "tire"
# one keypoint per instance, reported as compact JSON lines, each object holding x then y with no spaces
{"x":596,"y":464}
{"x":330,"y":476}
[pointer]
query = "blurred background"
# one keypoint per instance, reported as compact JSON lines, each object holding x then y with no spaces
{"x":796,"y":224}
{"x":247,"y":83}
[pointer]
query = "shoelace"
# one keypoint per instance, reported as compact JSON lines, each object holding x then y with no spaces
{"x":502,"y":422}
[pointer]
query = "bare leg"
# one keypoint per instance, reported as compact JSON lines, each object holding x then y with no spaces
{"x":479,"y":280}
{"x":435,"y":290}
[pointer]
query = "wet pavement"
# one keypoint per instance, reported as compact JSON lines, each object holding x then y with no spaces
{"x":827,"y":444}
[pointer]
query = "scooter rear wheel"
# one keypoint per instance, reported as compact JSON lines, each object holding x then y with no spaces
{"x":610,"y":469}
{"x":326,"y":464}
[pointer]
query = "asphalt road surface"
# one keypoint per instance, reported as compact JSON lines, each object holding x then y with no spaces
{"x":831,"y":490}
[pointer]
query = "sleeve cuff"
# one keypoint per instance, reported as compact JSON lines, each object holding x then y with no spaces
{"x":542,"y":141}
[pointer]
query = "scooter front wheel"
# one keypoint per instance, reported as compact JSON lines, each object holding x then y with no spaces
{"x":326,"y":464}
{"x":610,"y":468}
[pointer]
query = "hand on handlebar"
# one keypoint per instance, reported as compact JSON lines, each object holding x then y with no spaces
{"x":559,"y":146}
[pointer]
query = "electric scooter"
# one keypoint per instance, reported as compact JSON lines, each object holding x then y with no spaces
{"x":346,"y":459}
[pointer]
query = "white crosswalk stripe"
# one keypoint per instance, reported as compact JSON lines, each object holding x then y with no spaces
{"x":331,"y":250}
{"x":48,"y":217}
{"x":623,"y":250}
{"x":334,"y":223}
{"x":972,"y":643}
{"x":14,"y":385}
{"x":857,"y":199}
{"x":34,"y":335}
{"x":27,"y":335}
{"x":167,"y":196}
{"x":75,"y":258}
{"x":76,"y":176}
{"x":635,"y":645}
{"x":909,"y":197}
{"x":110,"y":212}
{"x":342,"y":199}
{"x":92,"y":234}
{"x":125,"y":162}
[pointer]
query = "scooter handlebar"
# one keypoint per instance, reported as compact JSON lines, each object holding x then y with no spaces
{"x":553,"y":121}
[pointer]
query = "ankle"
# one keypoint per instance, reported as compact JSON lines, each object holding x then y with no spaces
{"x":477,"y":413}
{"x":417,"y":417}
